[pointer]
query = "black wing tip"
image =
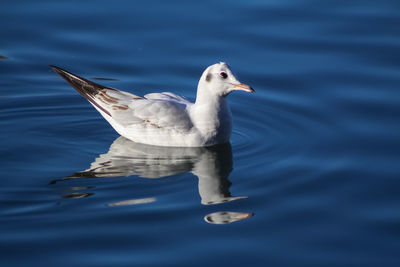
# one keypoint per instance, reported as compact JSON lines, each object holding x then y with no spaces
{"x":60,"y":71}
{"x":86,"y":88}
{"x":55,"y":68}
{"x":68,"y":76}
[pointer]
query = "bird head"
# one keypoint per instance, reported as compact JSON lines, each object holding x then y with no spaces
{"x":219,"y":79}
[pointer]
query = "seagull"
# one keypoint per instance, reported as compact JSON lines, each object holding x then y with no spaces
{"x":166,"y":119}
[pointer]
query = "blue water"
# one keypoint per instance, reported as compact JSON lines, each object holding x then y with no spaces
{"x":311,"y":177}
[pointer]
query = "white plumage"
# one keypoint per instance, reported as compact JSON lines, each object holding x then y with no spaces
{"x":166,"y":119}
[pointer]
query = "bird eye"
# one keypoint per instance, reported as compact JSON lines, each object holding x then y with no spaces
{"x":223,"y":75}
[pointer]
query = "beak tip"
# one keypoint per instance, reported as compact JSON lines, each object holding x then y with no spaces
{"x":244,"y":87}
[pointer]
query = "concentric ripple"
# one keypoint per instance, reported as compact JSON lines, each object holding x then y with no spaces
{"x":267,"y":127}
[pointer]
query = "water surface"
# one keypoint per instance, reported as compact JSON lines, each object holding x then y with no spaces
{"x":311,"y":176}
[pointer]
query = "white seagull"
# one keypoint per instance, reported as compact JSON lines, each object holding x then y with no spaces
{"x":166,"y":119}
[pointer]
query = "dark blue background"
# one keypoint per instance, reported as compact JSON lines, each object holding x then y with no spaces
{"x":315,"y":150}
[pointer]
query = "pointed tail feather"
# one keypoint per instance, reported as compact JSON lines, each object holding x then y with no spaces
{"x":86,"y":88}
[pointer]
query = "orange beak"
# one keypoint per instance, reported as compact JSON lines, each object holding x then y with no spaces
{"x":243,"y":87}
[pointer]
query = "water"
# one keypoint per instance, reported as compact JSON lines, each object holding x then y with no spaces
{"x":311,"y":177}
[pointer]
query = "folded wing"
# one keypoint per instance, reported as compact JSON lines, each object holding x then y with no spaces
{"x":164,"y":111}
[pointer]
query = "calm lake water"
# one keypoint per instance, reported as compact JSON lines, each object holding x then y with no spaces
{"x":310,"y":178}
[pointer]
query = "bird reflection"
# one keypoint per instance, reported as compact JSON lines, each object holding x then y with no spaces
{"x":212,"y":166}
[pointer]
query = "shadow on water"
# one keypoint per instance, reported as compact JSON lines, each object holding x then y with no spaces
{"x":211,"y":165}
{"x":104,"y":79}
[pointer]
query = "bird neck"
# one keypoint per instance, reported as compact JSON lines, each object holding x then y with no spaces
{"x":209,"y":101}
{"x":212,"y":117}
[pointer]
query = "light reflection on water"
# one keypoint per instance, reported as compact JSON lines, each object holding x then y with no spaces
{"x":211,"y":165}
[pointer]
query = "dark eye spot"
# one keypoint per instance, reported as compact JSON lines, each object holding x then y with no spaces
{"x":208,"y":77}
{"x":223,"y":75}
